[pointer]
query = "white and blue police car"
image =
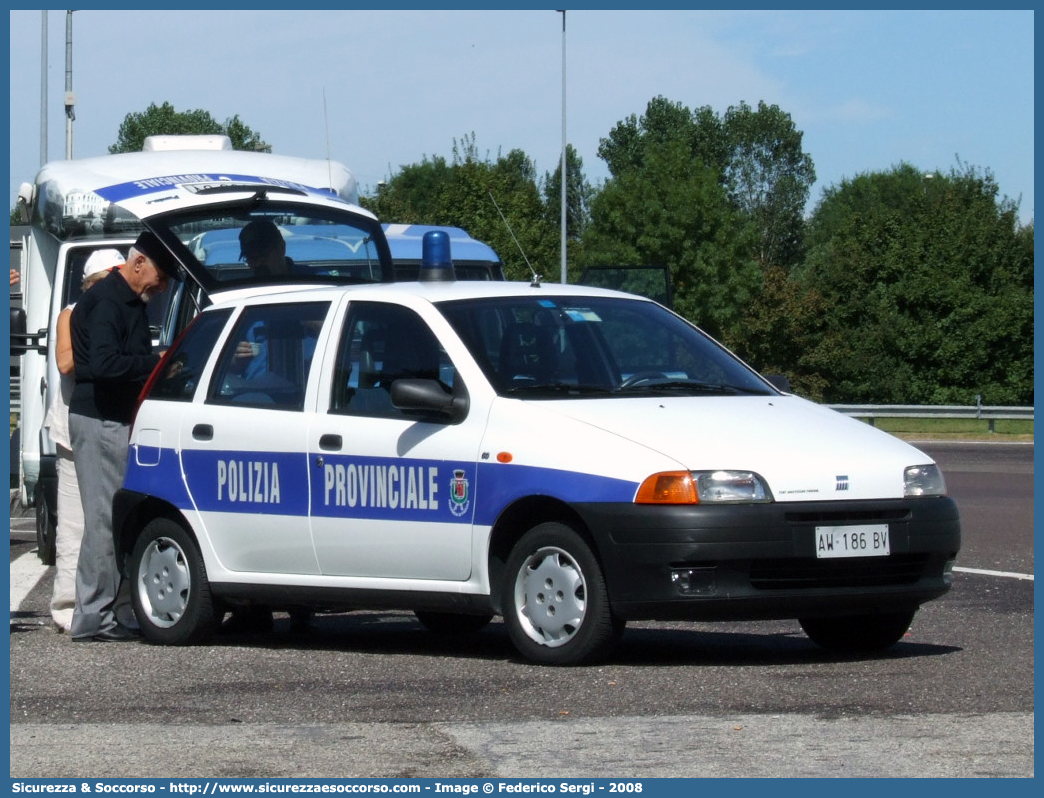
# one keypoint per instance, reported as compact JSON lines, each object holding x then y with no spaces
{"x":568,"y":458}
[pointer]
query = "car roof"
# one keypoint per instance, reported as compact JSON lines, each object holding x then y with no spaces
{"x":410,"y":292}
{"x":407,"y":242}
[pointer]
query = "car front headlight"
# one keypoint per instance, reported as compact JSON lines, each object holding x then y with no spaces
{"x":923,"y":480}
{"x":716,"y":487}
{"x":703,"y":487}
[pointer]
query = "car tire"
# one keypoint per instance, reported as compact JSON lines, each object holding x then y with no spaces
{"x":46,"y":527}
{"x":556,"y":606}
{"x":170,"y":590}
{"x":452,"y":623}
{"x":858,"y":634}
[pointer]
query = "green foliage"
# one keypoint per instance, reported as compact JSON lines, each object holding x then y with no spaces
{"x":712,"y":197}
{"x":769,"y":177}
{"x":927,"y":288}
{"x":700,"y":133}
{"x":163,"y":120}
{"x":463,"y":193}
{"x":674,"y":211}
{"x":900,"y":289}
{"x":578,"y":197}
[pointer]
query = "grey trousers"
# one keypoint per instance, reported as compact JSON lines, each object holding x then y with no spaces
{"x":100,"y":456}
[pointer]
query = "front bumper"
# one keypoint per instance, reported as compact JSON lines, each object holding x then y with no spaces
{"x":751,"y":562}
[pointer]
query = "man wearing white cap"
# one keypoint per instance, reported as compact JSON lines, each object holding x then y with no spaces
{"x":69,"y":508}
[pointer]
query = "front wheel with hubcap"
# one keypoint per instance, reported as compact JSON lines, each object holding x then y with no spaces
{"x":170,"y":591}
{"x":856,"y":634}
{"x":556,"y":607}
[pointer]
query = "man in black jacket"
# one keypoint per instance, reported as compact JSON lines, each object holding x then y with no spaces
{"x":112,"y":352}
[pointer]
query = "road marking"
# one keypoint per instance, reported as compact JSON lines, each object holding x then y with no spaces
{"x":983,"y":572}
{"x":26,"y":572}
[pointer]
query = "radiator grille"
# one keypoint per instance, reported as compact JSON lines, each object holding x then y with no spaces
{"x":848,"y":516}
{"x":810,"y":573}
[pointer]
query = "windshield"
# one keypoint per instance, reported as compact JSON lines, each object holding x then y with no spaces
{"x":551,"y":347}
{"x":72,"y":214}
{"x":266,"y":242}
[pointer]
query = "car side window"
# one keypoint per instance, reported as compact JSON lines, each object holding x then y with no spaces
{"x":267,"y":358}
{"x":381,"y":343}
{"x":182,"y":369}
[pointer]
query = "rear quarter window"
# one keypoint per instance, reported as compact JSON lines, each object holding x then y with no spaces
{"x":267,"y":358}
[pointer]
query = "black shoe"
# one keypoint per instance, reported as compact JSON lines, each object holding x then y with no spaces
{"x":117,"y":634}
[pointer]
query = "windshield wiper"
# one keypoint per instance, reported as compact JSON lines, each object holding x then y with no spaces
{"x":675,"y":386}
{"x":558,"y":389}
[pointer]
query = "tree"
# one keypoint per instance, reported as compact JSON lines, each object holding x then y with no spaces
{"x":700,"y":132}
{"x":769,"y":177}
{"x":578,"y":196}
{"x":667,"y":203}
{"x":163,"y":120}
{"x":672,"y":210}
{"x":927,"y":287}
{"x":756,"y":155}
{"x":465,"y":192}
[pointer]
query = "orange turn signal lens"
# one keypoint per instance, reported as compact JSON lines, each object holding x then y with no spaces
{"x":669,"y":487}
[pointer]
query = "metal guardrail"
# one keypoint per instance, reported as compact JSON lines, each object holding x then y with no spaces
{"x":989,"y":413}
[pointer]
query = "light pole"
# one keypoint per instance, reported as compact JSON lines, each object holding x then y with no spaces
{"x":564,"y":176}
{"x":70,"y":98}
{"x":43,"y":88}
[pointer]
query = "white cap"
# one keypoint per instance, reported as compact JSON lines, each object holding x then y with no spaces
{"x":102,"y":260}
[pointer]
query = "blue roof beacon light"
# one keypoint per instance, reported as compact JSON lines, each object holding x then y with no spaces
{"x":436,"y":265}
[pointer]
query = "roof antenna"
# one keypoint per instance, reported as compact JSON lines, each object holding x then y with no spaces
{"x":536,"y":277}
{"x":326,"y":123}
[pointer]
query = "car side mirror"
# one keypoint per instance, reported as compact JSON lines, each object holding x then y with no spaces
{"x":429,"y":396}
{"x":18,"y":337}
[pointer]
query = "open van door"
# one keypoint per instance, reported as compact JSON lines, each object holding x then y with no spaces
{"x":653,"y":282}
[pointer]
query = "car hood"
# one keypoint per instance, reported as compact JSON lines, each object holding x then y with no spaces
{"x":806,"y":452}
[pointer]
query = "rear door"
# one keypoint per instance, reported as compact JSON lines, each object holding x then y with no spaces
{"x":244,"y":446}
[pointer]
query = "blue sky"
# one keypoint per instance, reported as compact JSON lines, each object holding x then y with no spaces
{"x":382,"y":89}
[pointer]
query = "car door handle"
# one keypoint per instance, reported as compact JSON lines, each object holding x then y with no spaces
{"x":330,"y":443}
{"x":203,"y":432}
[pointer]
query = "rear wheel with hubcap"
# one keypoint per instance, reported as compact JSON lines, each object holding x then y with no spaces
{"x":170,"y":590}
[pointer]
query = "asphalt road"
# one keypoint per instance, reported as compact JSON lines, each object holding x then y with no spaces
{"x":376,"y":695}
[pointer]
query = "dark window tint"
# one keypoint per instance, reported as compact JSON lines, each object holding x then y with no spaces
{"x":380,"y":344}
{"x":561,"y":347}
{"x":267,"y":358}
{"x":182,"y":370}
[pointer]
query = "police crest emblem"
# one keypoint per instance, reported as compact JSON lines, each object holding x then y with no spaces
{"x":459,"y":499}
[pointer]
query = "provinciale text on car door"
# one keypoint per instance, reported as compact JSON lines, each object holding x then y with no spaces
{"x":392,"y":491}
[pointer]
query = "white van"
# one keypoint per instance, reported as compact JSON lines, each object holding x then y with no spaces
{"x":73,"y":208}
{"x":76,"y":208}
